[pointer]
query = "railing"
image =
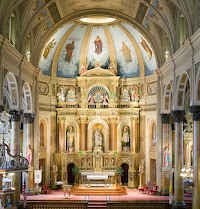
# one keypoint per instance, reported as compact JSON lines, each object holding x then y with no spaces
{"x":57,"y":204}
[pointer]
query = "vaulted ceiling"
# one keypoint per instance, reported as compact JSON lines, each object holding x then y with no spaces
{"x":39,"y":19}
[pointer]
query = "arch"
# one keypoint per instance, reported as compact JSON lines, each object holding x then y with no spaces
{"x":27,"y":98}
{"x":70,"y":176}
{"x":105,"y":132}
{"x":183,"y":82}
{"x":167,"y":99}
{"x":10,"y":91}
{"x":124,"y":177}
{"x":43,"y":133}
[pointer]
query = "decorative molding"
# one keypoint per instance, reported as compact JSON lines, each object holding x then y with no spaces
{"x":178,"y":115}
{"x":196,"y":112}
{"x":29,"y":117}
{"x":15,"y":115}
{"x":166,"y":118}
{"x":43,"y":88}
{"x":152,"y":88}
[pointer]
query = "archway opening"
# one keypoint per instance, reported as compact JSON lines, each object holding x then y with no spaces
{"x":124,"y":177}
{"x":71,"y":177}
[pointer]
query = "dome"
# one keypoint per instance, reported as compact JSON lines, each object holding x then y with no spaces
{"x":97,"y":41}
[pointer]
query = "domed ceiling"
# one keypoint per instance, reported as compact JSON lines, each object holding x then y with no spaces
{"x":97,"y":41}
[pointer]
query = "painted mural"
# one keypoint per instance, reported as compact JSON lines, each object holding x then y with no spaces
{"x":50,"y":48}
{"x":98,"y":49}
{"x":145,"y":48}
{"x":68,"y":63}
{"x":127,"y":62}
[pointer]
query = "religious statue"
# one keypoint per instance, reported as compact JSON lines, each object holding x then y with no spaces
{"x":125,"y":95}
{"x":69,"y":49}
{"x":125,"y":137}
{"x":141,"y":168}
{"x":98,"y":45}
{"x":98,"y":138}
{"x":71,"y":97}
{"x":134,"y":94}
{"x":70,"y":137}
{"x":54,"y":173}
{"x":61,"y":95}
{"x":29,"y":154}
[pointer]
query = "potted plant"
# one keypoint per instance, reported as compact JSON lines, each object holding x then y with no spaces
{"x":75,"y":172}
{"x":120,"y":172}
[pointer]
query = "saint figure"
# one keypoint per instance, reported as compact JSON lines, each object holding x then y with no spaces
{"x":146,"y":48}
{"x":48,"y":48}
{"x":29,"y":154}
{"x":125,"y":137}
{"x":98,"y":45}
{"x":70,"y":137}
{"x":166,"y":157}
{"x":97,"y":138}
{"x":69,"y":49}
{"x":126,"y":52}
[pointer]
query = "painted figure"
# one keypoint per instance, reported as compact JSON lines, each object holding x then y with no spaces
{"x":29,"y":154}
{"x":146,"y":48}
{"x":69,"y":49}
{"x":98,"y":45}
{"x":48,"y":48}
{"x":98,"y":138}
{"x":126,"y":52}
{"x":166,"y":157}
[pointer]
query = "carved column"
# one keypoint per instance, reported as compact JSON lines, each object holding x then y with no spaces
{"x":28,"y":141}
{"x":178,"y":150}
{"x":167,"y":154}
{"x":61,"y":133}
{"x":83,"y":134}
{"x":135,"y":138}
{"x":196,"y":157}
{"x":113,"y":134}
{"x":15,"y":149}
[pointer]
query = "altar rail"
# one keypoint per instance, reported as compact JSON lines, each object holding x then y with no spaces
{"x":57,"y":204}
{"x":142,"y":204}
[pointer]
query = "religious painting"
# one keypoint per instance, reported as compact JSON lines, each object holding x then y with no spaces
{"x":98,"y":54}
{"x":127,"y":62}
{"x":49,"y":50}
{"x":148,"y":55}
{"x":68,"y":62}
{"x":43,"y":88}
{"x":152,"y":88}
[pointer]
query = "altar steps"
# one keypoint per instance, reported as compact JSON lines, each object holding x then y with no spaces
{"x":113,"y":190}
{"x":97,"y":205}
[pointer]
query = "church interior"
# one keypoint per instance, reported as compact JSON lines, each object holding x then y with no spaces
{"x":97,"y":93}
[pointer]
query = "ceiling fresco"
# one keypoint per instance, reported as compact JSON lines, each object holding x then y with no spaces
{"x":95,"y":44}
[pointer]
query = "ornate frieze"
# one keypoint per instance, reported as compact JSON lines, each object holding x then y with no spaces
{"x":196,"y":112}
{"x":178,"y":115}
{"x":166,"y":118}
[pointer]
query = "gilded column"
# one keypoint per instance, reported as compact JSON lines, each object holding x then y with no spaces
{"x":178,"y":161}
{"x":167,"y":154}
{"x":196,"y":156}
{"x":83,"y":134}
{"x":113,"y":134}
{"x":61,"y":129}
{"x":135,"y":138}
{"x":15,"y":149}
{"x":28,"y":146}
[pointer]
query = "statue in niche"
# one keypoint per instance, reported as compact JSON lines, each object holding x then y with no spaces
{"x":125,"y":138}
{"x":29,"y":154}
{"x":125,"y":96}
{"x":70,"y":138}
{"x":134,"y":96}
{"x":71,"y":97}
{"x":166,"y":156}
{"x":98,"y":138}
{"x":54,"y":173}
{"x":61,"y":95}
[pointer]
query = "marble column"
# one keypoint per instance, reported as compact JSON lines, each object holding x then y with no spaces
{"x":196,"y":156}
{"x":83,"y":134}
{"x":178,"y":161}
{"x":166,"y":141}
{"x":135,"y":138}
{"x":113,"y":134}
{"x":15,"y":149}
{"x":28,"y":142}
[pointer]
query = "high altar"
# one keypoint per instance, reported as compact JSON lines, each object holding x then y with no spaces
{"x":98,"y":120}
